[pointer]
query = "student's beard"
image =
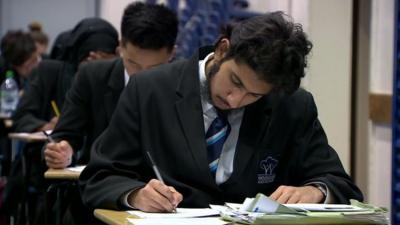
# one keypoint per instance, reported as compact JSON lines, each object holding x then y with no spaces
{"x":205,"y":88}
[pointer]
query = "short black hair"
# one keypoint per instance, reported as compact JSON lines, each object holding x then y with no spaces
{"x":149,"y":26}
{"x":273,"y":46}
{"x":16,"y":47}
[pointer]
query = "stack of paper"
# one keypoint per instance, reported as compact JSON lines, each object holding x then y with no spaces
{"x":263,"y":210}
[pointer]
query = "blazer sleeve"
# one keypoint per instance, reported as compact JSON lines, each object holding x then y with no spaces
{"x":72,"y":123}
{"x":115,"y":155}
{"x":32,"y":109}
{"x":318,"y":161}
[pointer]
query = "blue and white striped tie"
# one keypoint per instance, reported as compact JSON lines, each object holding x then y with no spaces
{"x":216,"y":136}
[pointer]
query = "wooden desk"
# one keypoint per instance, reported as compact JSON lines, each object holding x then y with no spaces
{"x":24,"y":137}
{"x":62,"y":174}
{"x":28,"y":137}
{"x":112,"y":217}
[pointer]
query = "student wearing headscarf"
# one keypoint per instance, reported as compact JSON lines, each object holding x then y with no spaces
{"x":59,"y":44}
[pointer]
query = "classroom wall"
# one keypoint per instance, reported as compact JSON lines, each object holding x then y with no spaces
{"x":329,"y":77}
{"x":381,"y":81}
{"x":54,"y":15}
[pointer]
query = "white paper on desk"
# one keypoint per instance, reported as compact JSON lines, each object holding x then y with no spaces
{"x":76,"y":168}
{"x":180,"y":213}
{"x":181,"y":221}
{"x":325,"y":207}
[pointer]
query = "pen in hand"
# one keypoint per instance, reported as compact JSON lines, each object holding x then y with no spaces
{"x":156,"y":171}
{"x":49,"y":138}
{"x":153,"y":165}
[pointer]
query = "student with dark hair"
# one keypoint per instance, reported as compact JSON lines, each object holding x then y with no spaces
{"x":148,"y":39}
{"x":221,"y":126}
{"x":19,"y":54}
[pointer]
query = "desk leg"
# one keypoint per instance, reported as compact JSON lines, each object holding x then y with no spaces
{"x":26,"y":185}
{"x":14,"y":149}
{"x":59,"y":189}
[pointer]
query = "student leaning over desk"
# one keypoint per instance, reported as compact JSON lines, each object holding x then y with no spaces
{"x":148,"y":40}
{"x":272,"y":141}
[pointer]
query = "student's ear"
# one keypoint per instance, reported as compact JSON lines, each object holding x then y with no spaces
{"x":222,"y":49}
{"x":117,"y":50}
{"x":173,"y":53}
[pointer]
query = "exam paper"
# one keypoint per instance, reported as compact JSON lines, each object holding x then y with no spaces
{"x":76,"y":168}
{"x":180,"y":213}
{"x":181,"y":221}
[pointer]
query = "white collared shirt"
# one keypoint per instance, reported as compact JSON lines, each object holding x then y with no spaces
{"x":126,"y":77}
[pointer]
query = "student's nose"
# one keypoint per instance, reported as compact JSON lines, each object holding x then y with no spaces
{"x":235,"y":98}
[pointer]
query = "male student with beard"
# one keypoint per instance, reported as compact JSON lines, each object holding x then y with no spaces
{"x":222,"y":126}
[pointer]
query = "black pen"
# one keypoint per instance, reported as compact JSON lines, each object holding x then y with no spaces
{"x":153,"y":165}
{"x":49,"y":138}
{"x":156,"y":171}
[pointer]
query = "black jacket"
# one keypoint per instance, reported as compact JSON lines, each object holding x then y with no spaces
{"x":160,"y":111}
{"x":48,"y":82}
{"x":90,"y":104}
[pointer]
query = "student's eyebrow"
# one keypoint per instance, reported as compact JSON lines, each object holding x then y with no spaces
{"x":155,"y":65}
{"x":131,"y":61}
{"x":237,"y":79}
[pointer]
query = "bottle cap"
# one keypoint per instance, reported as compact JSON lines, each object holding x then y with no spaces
{"x":9,"y":74}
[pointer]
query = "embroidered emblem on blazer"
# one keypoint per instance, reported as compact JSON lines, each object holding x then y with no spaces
{"x":268,"y":166}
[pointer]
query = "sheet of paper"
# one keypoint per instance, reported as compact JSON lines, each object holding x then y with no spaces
{"x":182,"y":221}
{"x":76,"y":168}
{"x":235,"y":206}
{"x":180,"y":213}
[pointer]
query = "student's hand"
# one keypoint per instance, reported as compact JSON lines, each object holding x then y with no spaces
{"x":289,"y":194}
{"x":58,"y":155}
{"x":155,"y":197}
{"x":50,"y":125}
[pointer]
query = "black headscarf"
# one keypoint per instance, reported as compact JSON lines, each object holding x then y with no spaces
{"x":90,"y":34}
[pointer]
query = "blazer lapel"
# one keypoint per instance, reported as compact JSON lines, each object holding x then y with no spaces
{"x":190,"y":113}
{"x":115,"y":85}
